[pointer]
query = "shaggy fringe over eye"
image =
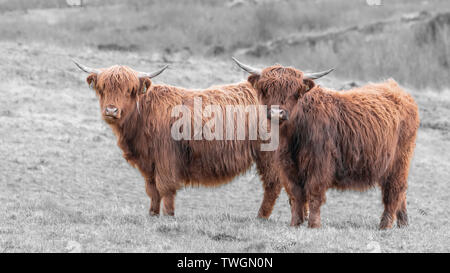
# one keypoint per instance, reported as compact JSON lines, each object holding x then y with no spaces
{"x":120,"y":80}
{"x":278,"y":83}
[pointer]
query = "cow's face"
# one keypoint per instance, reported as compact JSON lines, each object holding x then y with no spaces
{"x":283,"y":86}
{"x":280,"y":113}
{"x":117,"y":89}
{"x":278,"y":85}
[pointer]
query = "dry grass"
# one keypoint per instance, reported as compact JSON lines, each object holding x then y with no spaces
{"x":209,"y":28}
{"x":415,"y":54}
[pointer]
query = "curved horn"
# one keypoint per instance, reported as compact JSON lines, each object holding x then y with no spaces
{"x":316,"y":75}
{"x":152,"y":74}
{"x":247,"y":68}
{"x":85,"y":68}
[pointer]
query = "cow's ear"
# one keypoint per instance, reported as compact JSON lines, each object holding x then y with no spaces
{"x":92,"y":80}
{"x":145,"y":84}
{"x":309,"y":84}
{"x":253,"y":79}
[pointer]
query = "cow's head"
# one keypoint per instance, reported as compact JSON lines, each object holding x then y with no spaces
{"x":278,"y":85}
{"x":117,"y":88}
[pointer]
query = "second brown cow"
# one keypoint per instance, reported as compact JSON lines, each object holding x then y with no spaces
{"x":353,"y":139}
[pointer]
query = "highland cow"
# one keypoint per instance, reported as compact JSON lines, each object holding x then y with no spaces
{"x":139,"y":114}
{"x":354,"y":139}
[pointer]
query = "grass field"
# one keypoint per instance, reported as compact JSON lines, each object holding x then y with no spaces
{"x":58,"y":194}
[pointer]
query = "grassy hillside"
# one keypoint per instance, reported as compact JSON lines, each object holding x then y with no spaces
{"x":175,"y":30}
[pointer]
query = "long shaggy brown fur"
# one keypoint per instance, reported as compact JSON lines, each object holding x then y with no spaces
{"x":353,"y":139}
{"x":143,"y":130}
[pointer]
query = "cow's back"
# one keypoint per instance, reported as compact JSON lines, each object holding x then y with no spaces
{"x":362,"y":131}
{"x":199,"y":160}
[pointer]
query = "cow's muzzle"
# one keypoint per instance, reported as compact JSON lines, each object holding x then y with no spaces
{"x":111,"y":112}
{"x":280,"y":113}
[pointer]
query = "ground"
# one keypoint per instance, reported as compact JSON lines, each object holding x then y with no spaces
{"x":64,"y":186}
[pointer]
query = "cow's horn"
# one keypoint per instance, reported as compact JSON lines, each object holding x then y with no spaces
{"x":85,"y":68}
{"x":152,"y":74}
{"x":316,"y":75}
{"x":249,"y":69}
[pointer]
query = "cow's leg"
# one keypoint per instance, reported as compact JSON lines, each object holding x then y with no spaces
{"x":390,"y":201}
{"x":315,"y":202}
{"x":271,"y":184}
{"x":167,"y":188}
{"x":402,"y":215}
{"x":394,"y":191}
{"x":394,"y":200}
{"x":155,"y":198}
{"x":297,"y":200}
{"x":404,"y":163}
{"x":271,"y":193}
{"x":169,"y":203}
{"x":315,"y":188}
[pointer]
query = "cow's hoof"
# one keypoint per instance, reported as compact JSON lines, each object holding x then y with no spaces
{"x":387,"y":221}
{"x":385,"y":225}
{"x":402,"y":219}
{"x":296,"y":223}
{"x":402,"y":223}
{"x":314,"y":225}
{"x":262,"y":216}
{"x":153,"y":213}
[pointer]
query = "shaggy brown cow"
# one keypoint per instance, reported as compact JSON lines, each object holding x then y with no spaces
{"x":353,"y":139}
{"x":142,"y":124}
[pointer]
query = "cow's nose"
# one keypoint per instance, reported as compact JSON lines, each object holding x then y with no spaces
{"x":284,"y":115}
{"x":111,"y":111}
{"x":280,"y":113}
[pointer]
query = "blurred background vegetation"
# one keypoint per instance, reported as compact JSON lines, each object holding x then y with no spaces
{"x":406,"y":40}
